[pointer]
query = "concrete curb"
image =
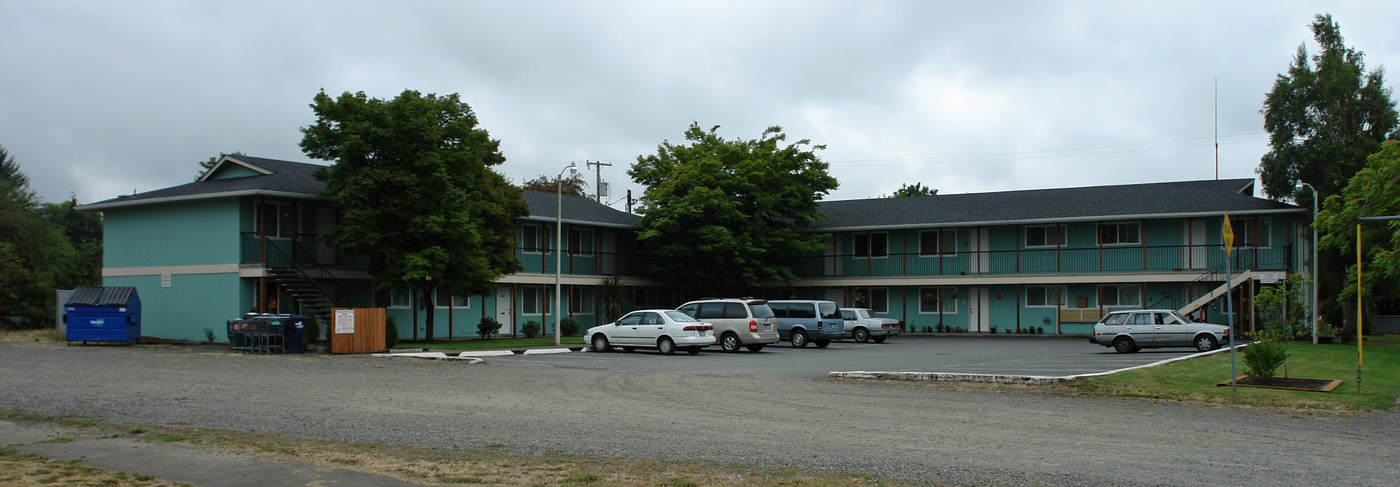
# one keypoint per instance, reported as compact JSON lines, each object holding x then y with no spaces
{"x":1005,"y":379}
{"x":473,"y":355}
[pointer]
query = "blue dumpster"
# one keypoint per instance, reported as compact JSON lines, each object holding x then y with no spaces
{"x":103,"y":314}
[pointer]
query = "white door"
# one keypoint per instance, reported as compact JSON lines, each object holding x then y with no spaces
{"x":1194,"y":234}
{"x":981,"y":245}
{"x":979,"y":307}
{"x":503,"y":310}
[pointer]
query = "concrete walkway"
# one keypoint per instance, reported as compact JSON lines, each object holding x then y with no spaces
{"x":180,"y":464}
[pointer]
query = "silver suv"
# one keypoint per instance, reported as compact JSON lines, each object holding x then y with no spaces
{"x":743,"y":322}
{"x":1129,"y":331}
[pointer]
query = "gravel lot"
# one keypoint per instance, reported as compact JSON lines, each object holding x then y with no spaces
{"x":891,"y":429}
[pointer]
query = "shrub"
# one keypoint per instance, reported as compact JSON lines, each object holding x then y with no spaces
{"x":312,"y":331}
{"x":994,"y":329}
{"x":487,"y":327}
{"x":939,"y":328}
{"x":391,"y":332}
{"x":1039,"y":330}
{"x":1263,"y":357}
{"x":531,"y":329}
{"x":569,"y":326}
{"x":208,"y":335}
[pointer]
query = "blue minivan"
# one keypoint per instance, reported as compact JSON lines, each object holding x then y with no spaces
{"x":801,"y":321}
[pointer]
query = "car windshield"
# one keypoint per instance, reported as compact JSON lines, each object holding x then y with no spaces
{"x":761,"y":311}
{"x":680,"y":317}
{"x":828,"y":310}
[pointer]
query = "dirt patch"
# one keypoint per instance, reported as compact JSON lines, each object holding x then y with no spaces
{"x":1286,"y":383}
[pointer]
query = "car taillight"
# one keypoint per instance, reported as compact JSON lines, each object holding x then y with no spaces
{"x":753,"y":326}
{"x":699,"y":328}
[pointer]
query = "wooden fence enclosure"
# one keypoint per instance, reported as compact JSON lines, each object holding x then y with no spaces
{"x":357,"y":330}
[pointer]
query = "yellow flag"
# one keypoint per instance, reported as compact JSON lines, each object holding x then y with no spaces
{"x":1228,"y":234}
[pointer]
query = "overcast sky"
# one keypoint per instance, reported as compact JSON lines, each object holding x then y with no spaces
{"x":100,"y":98}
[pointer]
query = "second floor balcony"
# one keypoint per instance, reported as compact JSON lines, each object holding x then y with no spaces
{"x":1186,"y":259}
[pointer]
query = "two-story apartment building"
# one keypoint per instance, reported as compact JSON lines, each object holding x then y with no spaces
{"x":246,"y":236}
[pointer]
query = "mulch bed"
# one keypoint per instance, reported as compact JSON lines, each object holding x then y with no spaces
{"x":1286,"y":383}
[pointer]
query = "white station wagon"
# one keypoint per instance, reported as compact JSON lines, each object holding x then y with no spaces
{"x":662,"y":329}
{"x":1130,"y":331}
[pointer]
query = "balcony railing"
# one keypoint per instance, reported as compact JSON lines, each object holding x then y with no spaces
{"x":1054,"y":260}
{"x":594,"y":263}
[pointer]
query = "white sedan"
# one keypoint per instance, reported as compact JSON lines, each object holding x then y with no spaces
{"x":662,"y":329}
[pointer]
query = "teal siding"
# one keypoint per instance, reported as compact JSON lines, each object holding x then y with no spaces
{"x":192,"y":303}
{"x":189,"y":233}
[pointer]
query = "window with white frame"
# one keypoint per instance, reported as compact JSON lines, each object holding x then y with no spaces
{"x":277,"y":220}
{"x":534,"y":300}
{"x":398,"y":299}
{"x":580,"y":241}
{"x":875,"y":298}
{"x":1045,"y":236}
{"x":443,"y":297}
{"x":938,"y":242}
{"x":1120,"y":295}
{"x":1042,"y":296}
{"x":876,"y":244}
{"x":1251,"y":232}
{"x":1124,"y":233}
{"x":532,"y":239}
{"x":938,"y":300}
{"x":581,"y":300}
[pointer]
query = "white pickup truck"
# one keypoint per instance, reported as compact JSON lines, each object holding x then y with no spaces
{"x":862,"y":325}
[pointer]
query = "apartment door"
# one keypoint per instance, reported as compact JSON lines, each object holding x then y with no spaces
{"x":1194,"y":233}
{"x":504,"y":311}
{"x":607,"y":254}
{"x":980,"y":262}
{"x":979,"y":309}
{"x":831,"y":262}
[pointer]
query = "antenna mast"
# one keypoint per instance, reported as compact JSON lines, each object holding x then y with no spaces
{"x":1217,"y":128}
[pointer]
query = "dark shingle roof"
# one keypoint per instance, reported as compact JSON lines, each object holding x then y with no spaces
{"x":287,"y":178}
{"x":1096,"y":202}
{"x":577,"y":209}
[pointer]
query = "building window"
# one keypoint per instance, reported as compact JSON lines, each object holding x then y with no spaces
{"x":1043,"y":296}
{"x":875,"y":298}
{"x":1120,"y":233}
{"x":1252,"y":232}
{"x":398,"y":299}
{"x":1045,"y":236}
{"x":532,"y":239}
{"x":443,"y":297}
{"x":872,"y":244}
{"x":938,"y":242}
{"x":938,"y":300}
{"x":534,"y":300}
{"x":580,"y":241}
{"x":581,"y":300}
{"x":277,"y":220}
{"x":1120,"y":295}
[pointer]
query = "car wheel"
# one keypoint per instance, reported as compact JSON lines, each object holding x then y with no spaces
{"x":1124,"y":345}
{"x":600,"y":343}
{"x":879,"y":339}
{"x":861,"y":335}
{"x":822,"y":343}
{"x":666,"y":346}
{"x":798,"y":339}
{"x":693,"y":350}
{"x":729,"y":342}
{"x":755,"y":348}
{"x":1205,"y":343}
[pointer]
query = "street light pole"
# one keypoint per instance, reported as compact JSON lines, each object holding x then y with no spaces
{"x":572,"y":168}
{"x":1313,"y":306}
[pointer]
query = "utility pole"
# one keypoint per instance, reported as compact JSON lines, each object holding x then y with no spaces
{"x":598,"y":174}
{"x":629,"y":201}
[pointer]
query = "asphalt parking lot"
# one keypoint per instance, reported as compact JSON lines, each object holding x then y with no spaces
{"x":1032,"y":356}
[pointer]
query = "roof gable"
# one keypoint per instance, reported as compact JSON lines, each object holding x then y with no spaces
{"x":230,"y":167}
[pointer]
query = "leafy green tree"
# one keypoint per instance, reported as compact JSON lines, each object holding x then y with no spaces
{"x":34,"y":255}
{"x":1374,"y":191}
{"x":414,"y":184}
{"x":206,"y":165}
{"x":720,"y":216}
{"x":1324,"y":117}
{"x":83,"y":229}
{"x":573,"y":185}
{"x":918,"y":189}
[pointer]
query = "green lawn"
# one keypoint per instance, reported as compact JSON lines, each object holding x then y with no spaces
{"x":1195,"y":380}
{"x":507,"y":343}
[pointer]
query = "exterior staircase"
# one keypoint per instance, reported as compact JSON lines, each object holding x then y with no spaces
{"x":309,"y":294}
{"x":1219,"y":291}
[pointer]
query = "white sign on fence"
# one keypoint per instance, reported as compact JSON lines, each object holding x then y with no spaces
{"x":1269,"y":277}
{"x":345,"y":321}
